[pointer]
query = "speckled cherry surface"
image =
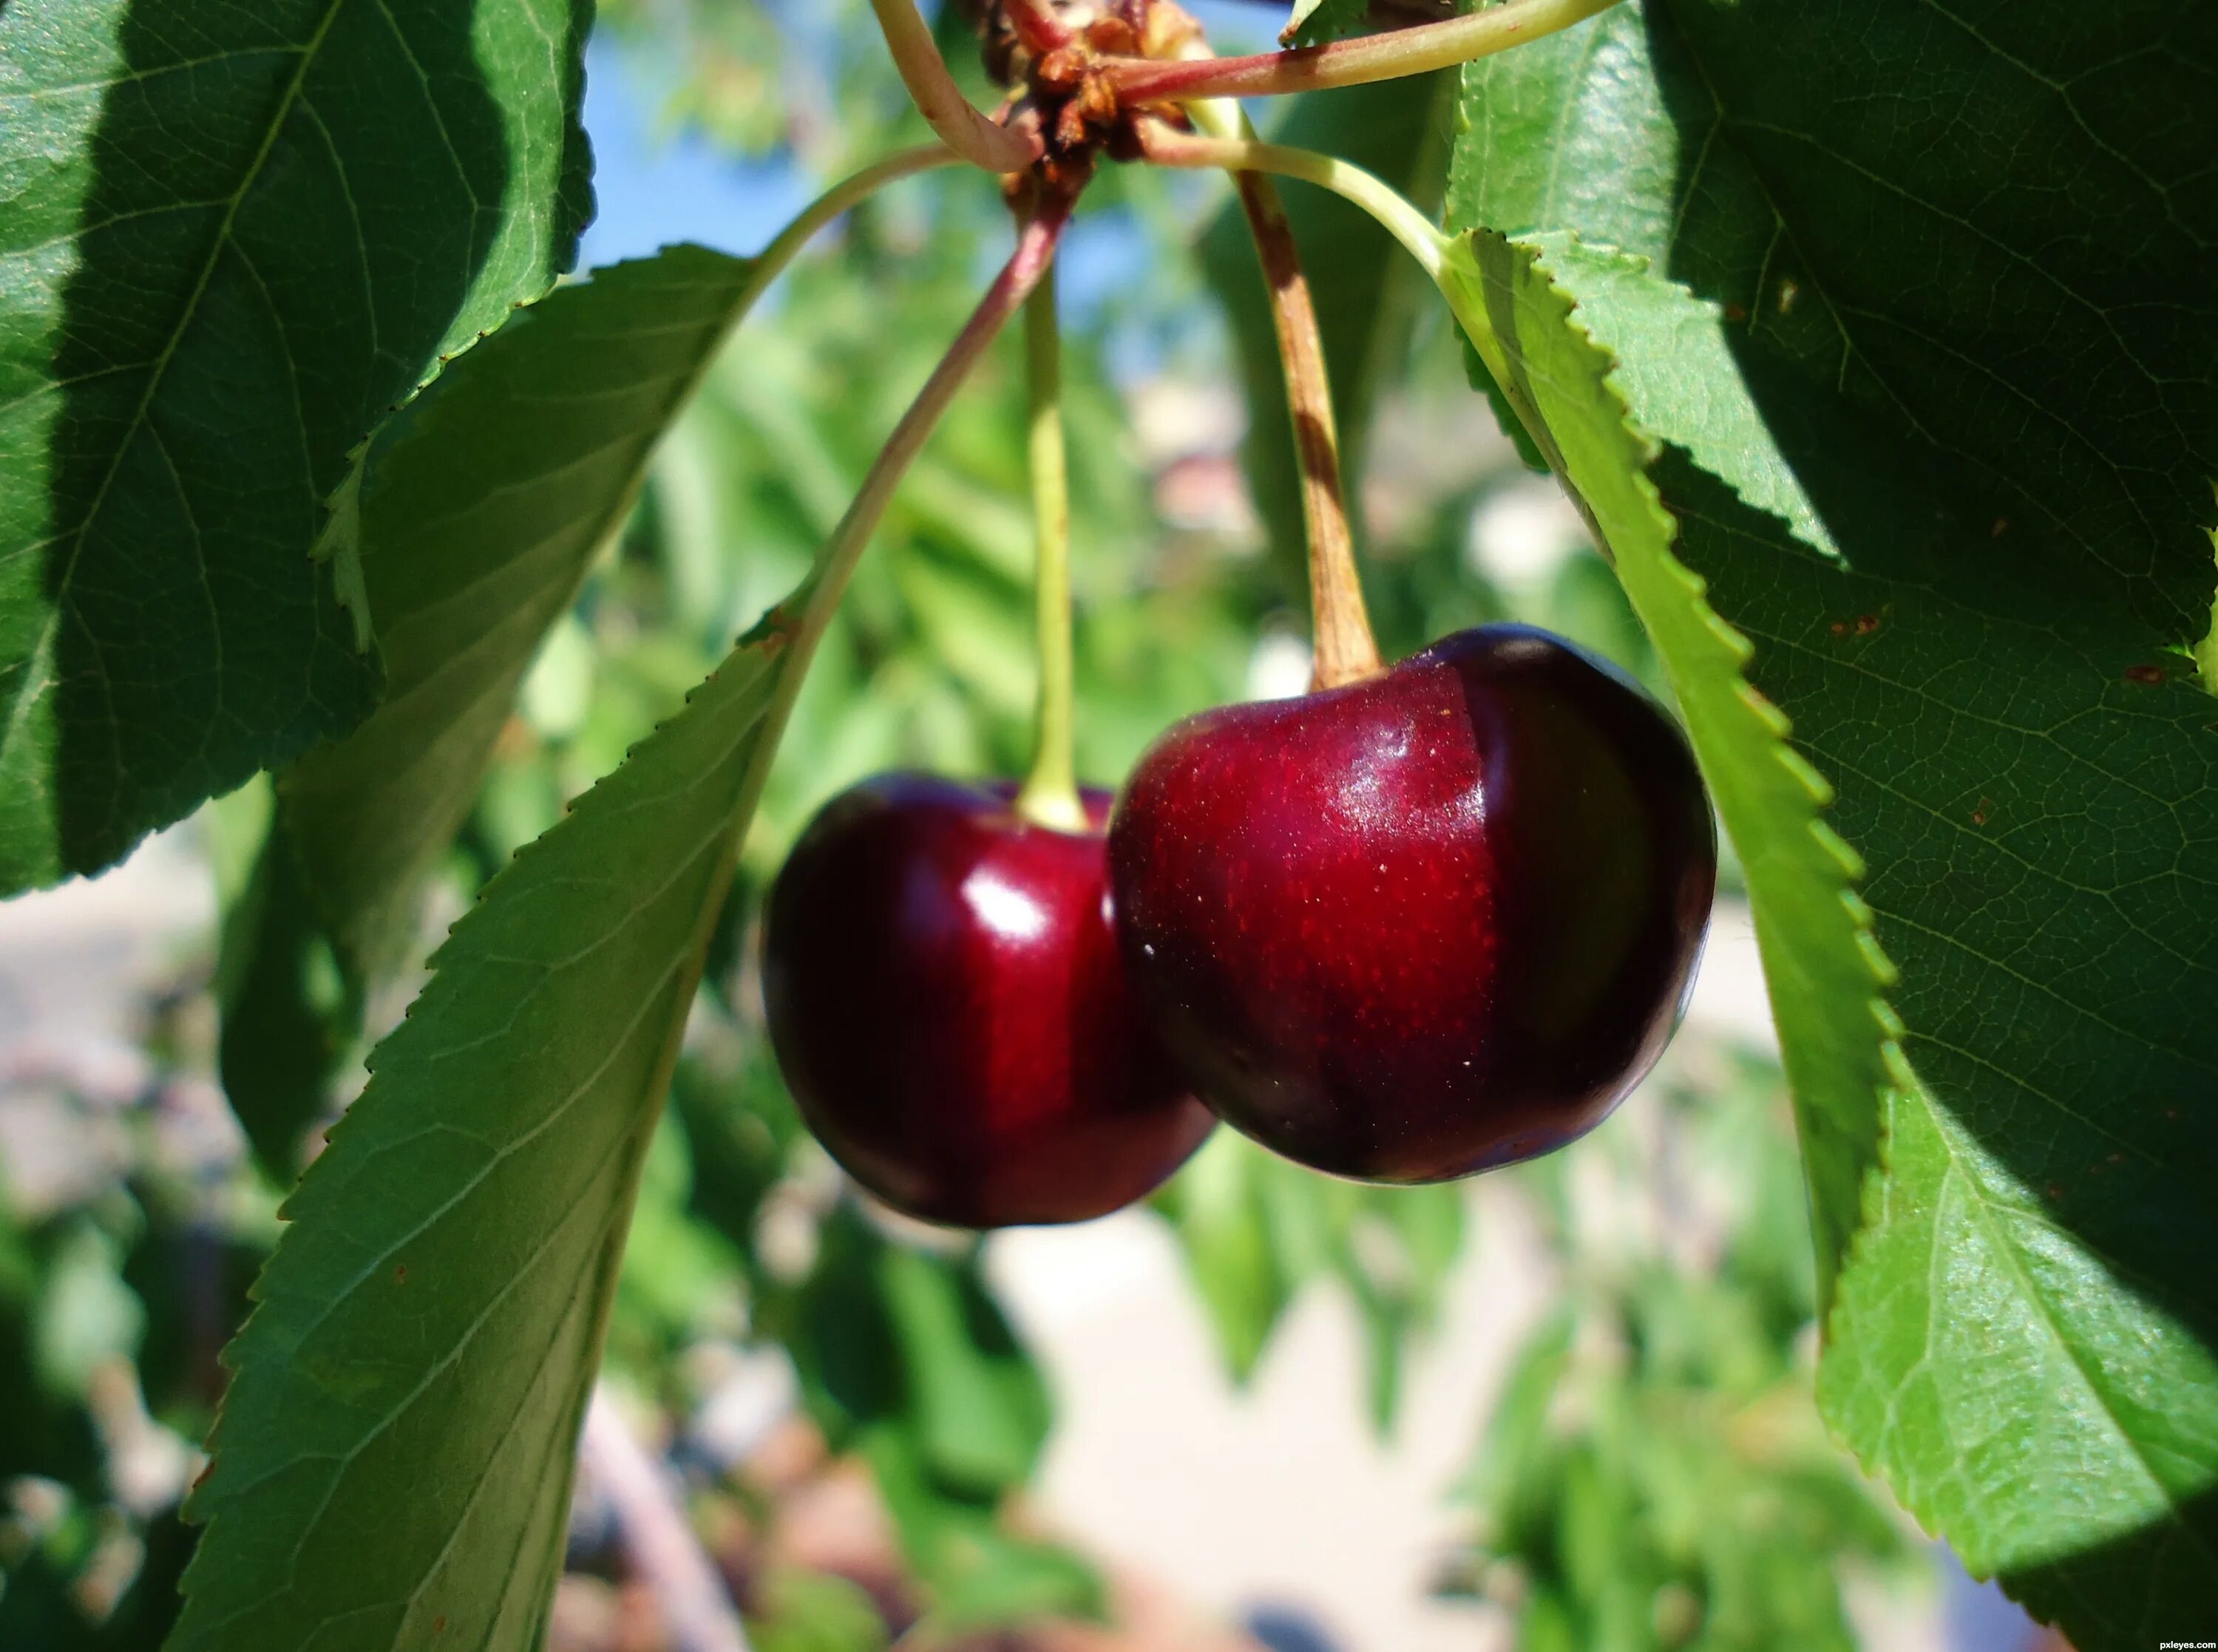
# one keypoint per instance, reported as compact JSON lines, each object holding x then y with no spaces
{"x":1433,"y":922}
{"x":948,"y":1008}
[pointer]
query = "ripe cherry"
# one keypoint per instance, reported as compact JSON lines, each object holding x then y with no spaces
{"x":948,"y":1007}
{"x":1429,"y":923}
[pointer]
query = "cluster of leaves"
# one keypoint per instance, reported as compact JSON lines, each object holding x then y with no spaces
{"x":1655,"y":1476}
{"x":1895,"y":449}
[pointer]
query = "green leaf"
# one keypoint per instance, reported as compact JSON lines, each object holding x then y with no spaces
{"x":394,"y":1458}
{"x":2022,"y":1339}
{"x":1364,"y":294}
{"x":481,"y":504}
{"x":2010,"y":263}
{"x":1823,"y":970}
{"x":890,"y":1337}
{"x":1995,"y":299}
{"x":1215,"y":1206}
{"x":807,"y":1612}
{"x":232,"y":236}
{"x":472,"y":517}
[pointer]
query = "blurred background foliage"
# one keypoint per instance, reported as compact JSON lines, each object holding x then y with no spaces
{"x":1653,"y":1475}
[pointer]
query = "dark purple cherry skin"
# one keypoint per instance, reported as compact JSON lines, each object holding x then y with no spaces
{"x":1424,"y":924}
{"x":949,"y":1010}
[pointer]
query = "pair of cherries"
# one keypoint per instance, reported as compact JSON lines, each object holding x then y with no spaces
{"x":1403,"y":930}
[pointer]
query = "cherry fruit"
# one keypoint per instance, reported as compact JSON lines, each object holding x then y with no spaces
{"x":949,"y":1010}
{"x":1426,"y":924}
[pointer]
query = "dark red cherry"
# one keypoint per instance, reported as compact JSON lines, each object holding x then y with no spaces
{"x":947,"y":1005}
{"x":1426,"y":924}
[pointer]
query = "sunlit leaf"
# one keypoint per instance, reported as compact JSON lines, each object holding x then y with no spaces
{"x":232,"y":236}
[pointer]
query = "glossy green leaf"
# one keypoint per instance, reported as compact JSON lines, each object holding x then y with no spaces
{"x":392,"y":1464}
{"x":232,"y":236}
{"x":1992,"y":295}
{"x":480,"y":504}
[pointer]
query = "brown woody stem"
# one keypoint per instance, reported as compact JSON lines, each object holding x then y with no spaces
{"x":1346,"y":651}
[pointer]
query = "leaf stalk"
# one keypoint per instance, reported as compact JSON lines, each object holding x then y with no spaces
{"x":1420,"y":237}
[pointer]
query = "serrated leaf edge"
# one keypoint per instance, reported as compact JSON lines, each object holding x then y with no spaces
{"x":1774,"y":725}
{"x":236,"y":1352}
{"x":1904,"y":1086}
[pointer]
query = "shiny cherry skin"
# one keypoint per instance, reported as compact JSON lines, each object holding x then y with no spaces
{"x":1424,"y":924}
{"x":949,"y":1010}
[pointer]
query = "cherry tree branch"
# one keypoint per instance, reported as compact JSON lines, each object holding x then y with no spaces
{"x":1350,"y":63}
{"x":961,"y":126}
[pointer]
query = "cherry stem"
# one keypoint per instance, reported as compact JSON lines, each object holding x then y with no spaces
{"x":801,"y":621}
{"x":960,"y":125}
{"x":770,"y":263}
{"x":1050,"y":795}
{"x":1346,"y":651}
{"x":1419,"y":236}
{"x":1390,"y":56}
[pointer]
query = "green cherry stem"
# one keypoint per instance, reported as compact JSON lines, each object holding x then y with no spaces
{"x":770,"y":263}
{"x":960,"y":125}
{"x":1050,"y":795}
{"x":1420,"y":237}
{"x":1389,"y":56}
{"x":799,"y":622}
